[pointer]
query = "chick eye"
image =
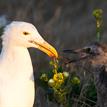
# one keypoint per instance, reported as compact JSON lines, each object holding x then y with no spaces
{"x":25,"y":33}
{"x":88,"y":50}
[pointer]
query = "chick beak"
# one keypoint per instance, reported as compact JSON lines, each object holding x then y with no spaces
{"x":81,"y":53}
{"x":46,"y":48}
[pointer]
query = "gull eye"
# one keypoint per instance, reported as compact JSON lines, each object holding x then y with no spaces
{"x":25,"y":33}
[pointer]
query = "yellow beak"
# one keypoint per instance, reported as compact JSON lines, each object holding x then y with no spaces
{"x":47,"y":48}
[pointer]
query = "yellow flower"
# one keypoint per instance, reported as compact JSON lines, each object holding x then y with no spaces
{"x":44,"y":77}
{"x":58,"y":77}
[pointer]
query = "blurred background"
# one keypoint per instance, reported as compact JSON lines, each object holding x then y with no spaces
{"x":65,"y":24}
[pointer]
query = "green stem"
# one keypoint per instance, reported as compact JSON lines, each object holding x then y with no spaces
{"x":97,"y":13}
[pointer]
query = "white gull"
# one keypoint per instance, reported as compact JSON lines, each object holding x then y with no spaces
{"x":16,"y":84}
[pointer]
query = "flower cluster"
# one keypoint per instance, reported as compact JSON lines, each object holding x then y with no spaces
{"x":58,"y":83}
{"x":58,"y":78}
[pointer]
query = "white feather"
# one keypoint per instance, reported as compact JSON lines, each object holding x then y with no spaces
{"x":16,"y":82}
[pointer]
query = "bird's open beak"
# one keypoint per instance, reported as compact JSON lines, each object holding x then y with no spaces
{"x":46,"y":48}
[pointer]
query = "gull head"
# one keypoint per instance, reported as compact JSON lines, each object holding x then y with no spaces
{"x":25,"y":34}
